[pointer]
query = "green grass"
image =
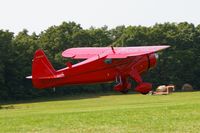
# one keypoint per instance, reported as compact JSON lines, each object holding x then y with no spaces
{"x":178,"y":112}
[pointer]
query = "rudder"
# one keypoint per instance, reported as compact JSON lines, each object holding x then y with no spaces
{"x":41,"y":68}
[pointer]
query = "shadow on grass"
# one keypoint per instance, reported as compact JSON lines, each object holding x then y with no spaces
{"x":61,"y":98}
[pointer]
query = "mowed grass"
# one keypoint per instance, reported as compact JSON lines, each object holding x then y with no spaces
{"x":178,"y":112}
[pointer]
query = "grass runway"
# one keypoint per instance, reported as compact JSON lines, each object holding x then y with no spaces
{"x":175,"y":113}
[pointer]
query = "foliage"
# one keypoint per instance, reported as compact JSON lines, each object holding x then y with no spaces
{"x":177,"y":65}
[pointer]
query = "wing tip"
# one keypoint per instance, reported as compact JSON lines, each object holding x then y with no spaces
{"x":166,"y":46}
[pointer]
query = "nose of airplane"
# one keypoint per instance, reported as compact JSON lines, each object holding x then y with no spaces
{"x":152,"y":59}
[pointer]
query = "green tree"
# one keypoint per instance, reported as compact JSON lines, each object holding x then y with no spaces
{"x":5,"y":42}
{"x":18,"y":65}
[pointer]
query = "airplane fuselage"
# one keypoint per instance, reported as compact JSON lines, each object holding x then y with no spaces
{"x":99,"y":71}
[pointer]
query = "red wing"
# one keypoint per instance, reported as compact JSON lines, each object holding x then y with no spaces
{"x":84,"y":53}
{"x":124,"y":52}
{"x":118,"y":52}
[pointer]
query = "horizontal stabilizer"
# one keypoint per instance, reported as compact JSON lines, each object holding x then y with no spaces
{"x":29,"y":77}
{"x":53,"y":77}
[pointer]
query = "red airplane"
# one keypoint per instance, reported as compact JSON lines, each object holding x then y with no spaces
{"x":101,"y":64}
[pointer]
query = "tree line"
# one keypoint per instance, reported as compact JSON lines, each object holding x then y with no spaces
{"x":177,"y":65}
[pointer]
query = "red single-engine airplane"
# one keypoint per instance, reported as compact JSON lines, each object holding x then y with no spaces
{"x":101,"y":64}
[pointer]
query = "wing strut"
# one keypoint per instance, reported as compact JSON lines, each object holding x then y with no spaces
{"x":113,"y":49}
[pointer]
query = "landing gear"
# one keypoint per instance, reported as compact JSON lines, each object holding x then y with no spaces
{"x":142,"y":87}
{"x":123,"y":85}
{"x":145,"y":93}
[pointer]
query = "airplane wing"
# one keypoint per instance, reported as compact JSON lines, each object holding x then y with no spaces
{"x":116,"y":52}
{"x":84,"y":53}
{"x":125,"y":52}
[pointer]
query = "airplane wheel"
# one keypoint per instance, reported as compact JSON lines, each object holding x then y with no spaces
{"x":124,"y":91}
{"x":145,"y":93}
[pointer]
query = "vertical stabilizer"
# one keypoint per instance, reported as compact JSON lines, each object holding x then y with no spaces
{"x":41,"y":67}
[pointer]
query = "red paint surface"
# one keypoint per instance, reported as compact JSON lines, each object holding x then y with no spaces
{"x":100,"y":65}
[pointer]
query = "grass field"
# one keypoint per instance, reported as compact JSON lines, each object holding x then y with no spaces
{"x":178,"y":112}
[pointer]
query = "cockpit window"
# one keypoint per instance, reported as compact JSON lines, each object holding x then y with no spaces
{"x":108,"y":61}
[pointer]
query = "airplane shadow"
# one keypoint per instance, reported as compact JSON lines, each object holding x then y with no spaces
{"x":65,"y":97}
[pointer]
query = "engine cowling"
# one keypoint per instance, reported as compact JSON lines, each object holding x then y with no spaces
{"x":152,"y":59}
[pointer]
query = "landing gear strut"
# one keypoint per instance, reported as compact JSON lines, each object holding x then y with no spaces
{"x":123,"y":85}
{"x":142,"y":87}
